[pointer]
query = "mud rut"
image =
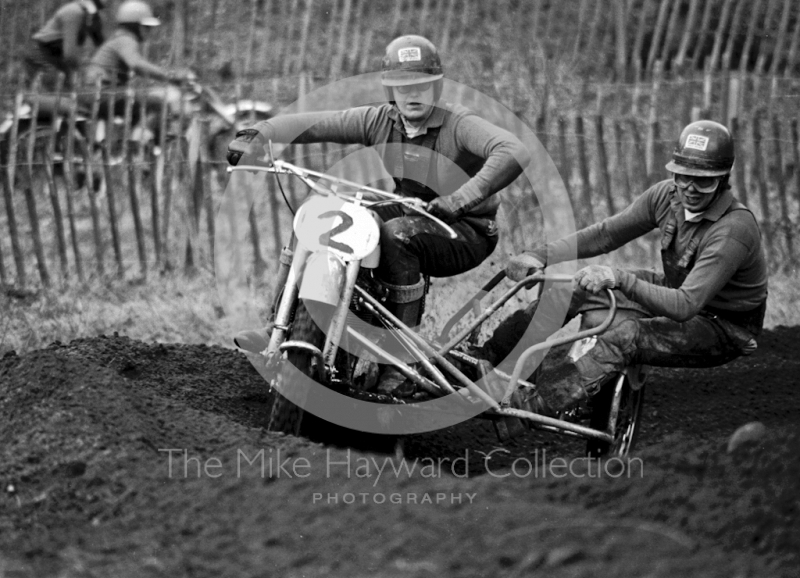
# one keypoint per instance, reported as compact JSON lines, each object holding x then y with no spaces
{"x":87,"y":488}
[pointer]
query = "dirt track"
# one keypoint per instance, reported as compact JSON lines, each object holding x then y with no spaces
{"x":88,"y":491}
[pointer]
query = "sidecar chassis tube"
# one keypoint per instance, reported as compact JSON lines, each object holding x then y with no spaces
{"x":420,"y":356}
{"x":560,"y":425}
{"x":428,"y":386}
{"x":430,"y":351}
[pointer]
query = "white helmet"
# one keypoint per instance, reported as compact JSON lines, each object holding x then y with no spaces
{"x":136,"y":12}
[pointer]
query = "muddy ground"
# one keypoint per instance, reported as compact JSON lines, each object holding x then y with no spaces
{"x":121,"y":458}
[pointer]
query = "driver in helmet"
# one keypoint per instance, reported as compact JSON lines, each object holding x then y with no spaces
{"x":121,"y":54}
{"x":706,"y":308}
{"x":436,"y":151}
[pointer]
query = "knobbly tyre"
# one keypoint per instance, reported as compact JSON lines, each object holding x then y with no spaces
{"x":326,"y":279}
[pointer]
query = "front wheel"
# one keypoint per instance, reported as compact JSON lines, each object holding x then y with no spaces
{"x":629,"y":415}
{"x":286,"y":416}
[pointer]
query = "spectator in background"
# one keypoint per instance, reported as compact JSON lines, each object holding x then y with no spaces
{"x":121,"y":54}
{"x":56,"y":47}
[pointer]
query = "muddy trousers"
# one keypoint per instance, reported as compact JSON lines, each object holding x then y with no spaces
{"x":636,"y":336}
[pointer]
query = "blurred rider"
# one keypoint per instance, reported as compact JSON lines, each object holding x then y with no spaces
{"x":436,"y":151}
{"x":56,"y":47}
{"x":121,"y":54}
{"x":706,"y":308}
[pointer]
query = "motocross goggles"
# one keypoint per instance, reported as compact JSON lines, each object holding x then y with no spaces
{"x":700,"y":184}
{"x":408,"y":88}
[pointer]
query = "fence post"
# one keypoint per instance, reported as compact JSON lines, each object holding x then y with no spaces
{"x":8,"y":193}
{"x":259,"y":265}
{"x":738,"y":132}
{"x":621,"y":165}
{"x":791,"y":57}
{"x":565,"y":169}
{"x":777,"y":157}
{"x":88,"y":148}
{"x":640,"y":157}
{"x":110,"y":194}
{"x":30,"y":199}
{"x":338,"y":54}
{"x":301,"y":56}
{"x":208,"y":199}
{"x":751,"y":30}
{"x":759,"y":169}
{"x":653,"y":118}
{"x":687,"y":34}
{"x":722,"y":29}
{"x":159,"y":176}
{"x":133,"y":173}
{"x":583,"y":166}
{"x":702,"y":34}
{"x":69,"y":174}
{"x":58,"y":218}
{"x":251,"y":39}
{"x":796,"y":161}
{"x":602,"y":164}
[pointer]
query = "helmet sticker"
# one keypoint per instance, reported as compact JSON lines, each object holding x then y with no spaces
{"x":695,"y":141}
{"x":410,"y":54}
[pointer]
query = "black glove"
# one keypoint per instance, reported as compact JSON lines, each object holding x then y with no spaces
{"x":443,"y":209}
{"x":241,"y":144}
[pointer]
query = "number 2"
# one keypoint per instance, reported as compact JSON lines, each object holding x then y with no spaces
{"x":326,"y":238}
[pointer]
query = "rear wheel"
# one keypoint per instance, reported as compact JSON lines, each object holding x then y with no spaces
{"x":628,"y":421}
{"x":286,"y":416}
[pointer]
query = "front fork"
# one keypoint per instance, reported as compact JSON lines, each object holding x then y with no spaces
{"x":288,"y":304}
{"x":339,"y":321}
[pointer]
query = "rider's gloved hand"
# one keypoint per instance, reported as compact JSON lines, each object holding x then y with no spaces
{"x":242,"y":144}
{"x":596,"y":278}
{"x":452,"y":207}
{"x":445,"y":209}
{"x":523,"y":265}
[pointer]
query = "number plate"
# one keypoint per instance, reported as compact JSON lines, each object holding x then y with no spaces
{"x":344,"y":229}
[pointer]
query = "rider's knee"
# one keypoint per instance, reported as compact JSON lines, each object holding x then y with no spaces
{"x":624,"y":335}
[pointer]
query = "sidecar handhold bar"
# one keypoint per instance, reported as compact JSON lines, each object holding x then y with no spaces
{"x":512,"y":383}
{"x":525,"y":283}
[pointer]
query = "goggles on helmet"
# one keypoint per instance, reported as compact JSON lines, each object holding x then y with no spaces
{"x":700,"y":184}
{"x":409,"y":88}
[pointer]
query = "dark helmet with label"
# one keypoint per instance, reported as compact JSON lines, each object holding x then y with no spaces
{"x":704,"y":149}
{"x":411,"y":60}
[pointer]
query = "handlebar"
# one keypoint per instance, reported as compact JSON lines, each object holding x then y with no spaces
{"x":283,"y":167}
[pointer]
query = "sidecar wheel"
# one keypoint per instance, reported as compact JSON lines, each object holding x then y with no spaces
{"x":628,"y":418}
{"x":286,"y":416}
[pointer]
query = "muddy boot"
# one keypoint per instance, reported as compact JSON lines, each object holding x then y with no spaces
{"x":405,"y":302}
{"x":563,"y":391}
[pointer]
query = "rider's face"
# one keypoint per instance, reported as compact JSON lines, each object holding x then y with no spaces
{"x":415,"y":101}
{"x":696,"y":193}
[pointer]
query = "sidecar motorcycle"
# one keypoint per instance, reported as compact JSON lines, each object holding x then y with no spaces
{"x":327,"y":299}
